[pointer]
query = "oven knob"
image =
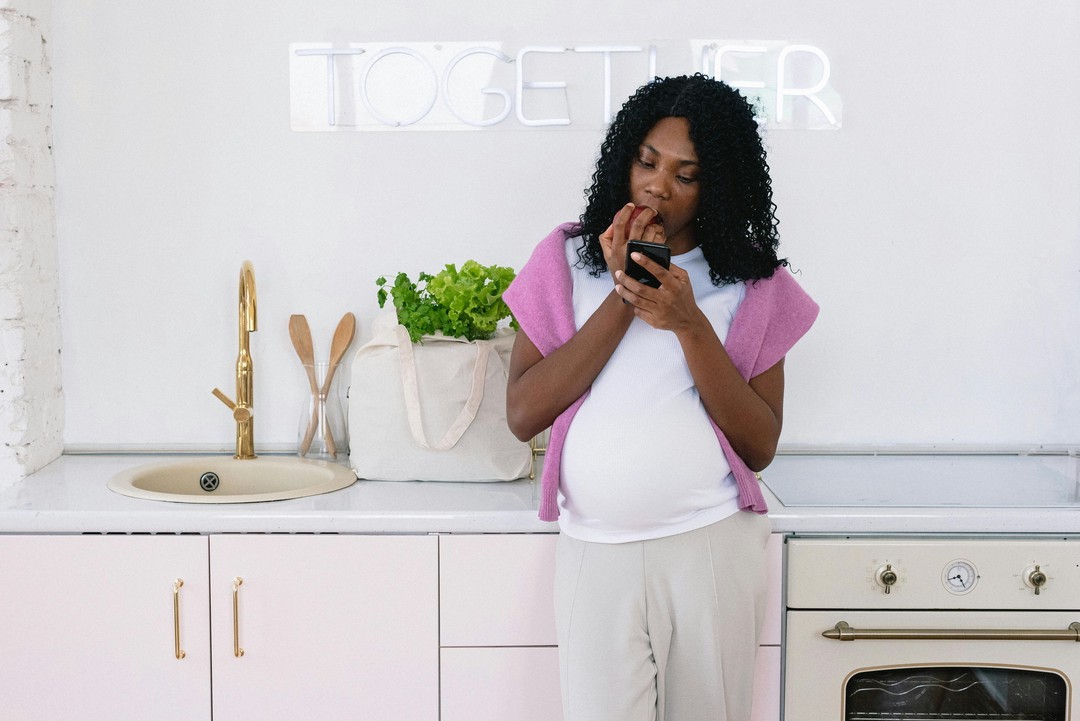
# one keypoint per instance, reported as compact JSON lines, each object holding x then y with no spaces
{"x":1035,"y":578}
{"x":886,"y":576}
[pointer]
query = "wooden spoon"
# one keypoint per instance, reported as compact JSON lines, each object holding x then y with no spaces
{"x":343,"y":337}
{"x":300,"y":334}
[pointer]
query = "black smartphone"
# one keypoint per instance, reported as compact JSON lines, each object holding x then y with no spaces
{"x":657,"y":252}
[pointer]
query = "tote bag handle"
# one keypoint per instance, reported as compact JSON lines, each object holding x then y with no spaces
{"x":407,"y":361}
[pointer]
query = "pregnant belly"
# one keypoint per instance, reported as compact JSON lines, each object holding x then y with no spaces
{"x":656,"y":467}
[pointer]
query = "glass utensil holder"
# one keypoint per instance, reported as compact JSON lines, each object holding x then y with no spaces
{"x":321,"y":432}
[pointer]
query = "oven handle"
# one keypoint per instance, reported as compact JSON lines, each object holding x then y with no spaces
{"x":843,"y":632}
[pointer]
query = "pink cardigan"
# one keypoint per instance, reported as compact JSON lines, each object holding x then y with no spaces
{"x":774,"y":314}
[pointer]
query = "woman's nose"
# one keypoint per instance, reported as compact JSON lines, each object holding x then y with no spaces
{"x":657,"y":187}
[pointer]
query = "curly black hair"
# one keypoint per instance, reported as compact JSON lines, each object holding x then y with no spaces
{"x":736,"y":224}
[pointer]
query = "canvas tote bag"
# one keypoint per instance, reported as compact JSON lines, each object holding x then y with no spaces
{"x":434,"y":410}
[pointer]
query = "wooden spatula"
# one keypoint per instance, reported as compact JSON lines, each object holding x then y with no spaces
{"x":343,"y":337}
{"x":300,"y":334}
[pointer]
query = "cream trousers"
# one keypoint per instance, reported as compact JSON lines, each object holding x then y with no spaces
{"x":665,"y":629}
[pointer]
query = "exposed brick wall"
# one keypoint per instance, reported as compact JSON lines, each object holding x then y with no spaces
{"x":31,"y":395}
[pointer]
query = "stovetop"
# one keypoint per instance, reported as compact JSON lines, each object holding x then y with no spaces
{"x":974,"y":481}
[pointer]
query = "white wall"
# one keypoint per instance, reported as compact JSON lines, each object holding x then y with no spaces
{"x":938,"y":228}
{"x":31,"y":400}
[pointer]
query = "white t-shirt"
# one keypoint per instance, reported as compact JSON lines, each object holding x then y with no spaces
{"x":641,"y":459}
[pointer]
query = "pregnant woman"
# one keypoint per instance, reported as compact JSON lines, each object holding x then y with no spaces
{"x":663,"y":402}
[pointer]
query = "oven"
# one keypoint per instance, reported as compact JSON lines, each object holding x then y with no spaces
{"x":979,"y":628}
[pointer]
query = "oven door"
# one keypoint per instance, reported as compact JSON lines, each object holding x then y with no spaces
{"x":931,"y":666}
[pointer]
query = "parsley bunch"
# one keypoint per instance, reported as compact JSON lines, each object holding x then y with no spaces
{"x":464,"y":303}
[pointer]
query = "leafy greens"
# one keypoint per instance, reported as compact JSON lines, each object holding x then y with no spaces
{"x":464,"y":303}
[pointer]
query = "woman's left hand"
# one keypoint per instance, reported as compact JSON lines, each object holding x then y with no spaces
{"x":669,"y":307}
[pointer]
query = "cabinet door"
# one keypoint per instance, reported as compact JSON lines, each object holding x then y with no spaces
{"x":330,"y":627}
{"x":501,"y":684}
{"x":766,"y":684}
{"x":87,"y":628}
{"x":774,"y":590}
{"x":767,"y":666}
{"x":498,"y":590}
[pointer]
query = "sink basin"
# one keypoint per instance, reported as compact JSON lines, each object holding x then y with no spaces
{"x":220,"y":479}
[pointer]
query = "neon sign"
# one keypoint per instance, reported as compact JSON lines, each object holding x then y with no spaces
{"x":485,"y":86}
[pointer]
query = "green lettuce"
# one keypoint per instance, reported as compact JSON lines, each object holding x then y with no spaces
{"x":464,"y":303}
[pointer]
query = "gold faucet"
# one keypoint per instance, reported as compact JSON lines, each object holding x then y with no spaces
{"x":245,"y":430}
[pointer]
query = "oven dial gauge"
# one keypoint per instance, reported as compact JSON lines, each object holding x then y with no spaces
{"x":959,"y":576}
{"x":886,"y":577}
{"x":1035,"y":577}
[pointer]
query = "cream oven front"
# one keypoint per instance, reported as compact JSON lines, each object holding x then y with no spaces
{"x":935,"y":629}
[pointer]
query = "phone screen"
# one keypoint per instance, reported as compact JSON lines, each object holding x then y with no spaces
{"x":657,"y":252}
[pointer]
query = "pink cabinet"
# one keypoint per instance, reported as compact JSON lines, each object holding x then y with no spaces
{"x":384,"y":627}
{"x":501,"y":684}
{"x":119,"y":627}
{"x":101,"y":627}
{"x":325,"y":626}
{"x":496,"y":590}
{"x":767,"y":685}
{"x":499,"y":654}
{"x":774,"y":610}
{"x":767,"y":663}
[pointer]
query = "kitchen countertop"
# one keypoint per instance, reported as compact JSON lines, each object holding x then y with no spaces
{"x":846,"y":494}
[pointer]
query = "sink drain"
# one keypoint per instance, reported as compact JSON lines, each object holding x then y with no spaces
{"x":209,"y":481}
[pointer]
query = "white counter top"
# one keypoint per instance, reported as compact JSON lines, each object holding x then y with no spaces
{"x":958,"y":494}
{"x":69,"y":496}
{"x":1019,"y":494}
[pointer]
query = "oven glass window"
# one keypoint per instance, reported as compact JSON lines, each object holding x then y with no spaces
{"x":952,"y":693}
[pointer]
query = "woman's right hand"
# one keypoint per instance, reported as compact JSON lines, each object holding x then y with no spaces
{"x":541,"y":387}
{"x":613,"y":240}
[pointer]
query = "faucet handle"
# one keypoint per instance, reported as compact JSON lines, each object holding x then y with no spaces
{"x":240,"y":413}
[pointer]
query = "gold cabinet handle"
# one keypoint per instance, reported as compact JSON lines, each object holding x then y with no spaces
{"x":236,"y":584}
{"x":843,"y":632}
{"x":177,"y":585}
{"x":538,"y":449}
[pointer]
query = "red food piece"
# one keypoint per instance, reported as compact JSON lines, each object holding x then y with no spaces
{"x":637,"y":211}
